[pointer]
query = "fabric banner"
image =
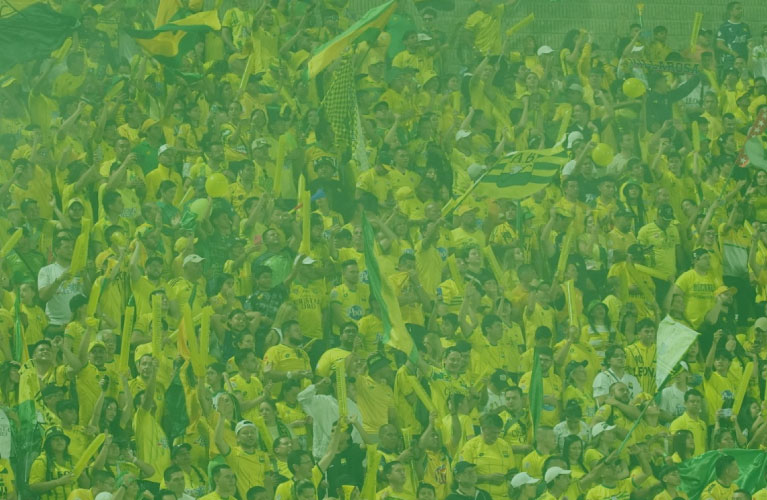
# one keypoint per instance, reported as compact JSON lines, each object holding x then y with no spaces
{"x":673,"y":340}
{"x":698,"y":472}
{"x":30,"y":33}
{"x":521,"y":174}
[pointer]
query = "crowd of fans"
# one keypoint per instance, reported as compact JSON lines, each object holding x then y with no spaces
{"x":669,"y":224}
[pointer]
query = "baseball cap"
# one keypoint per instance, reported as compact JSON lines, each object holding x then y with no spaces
{"x":698,"y":253}
{"x":193,"y":258}
{"x":96,"y":343}
{"x":499,"y":379}
{"x":242,"y":424}
{"x":163,"y":148}
{"x":572,"y":365}
{"x":51,"y":389}
{"x":375,"y":363}
{"x":522,"y":479}
{"x":544,"y":49}
{"x":666,"y":212}
{"x":572,"y":138}
{"x":178,"y":448}
{"x":761,"y":323}
{"x":576,"y":87}
{"x":461,"y":466}
{"x":461,"y":134}
{"x":555,"y":472}
{"x":259,"y":143}
{"x":601,"y":427}
{"x":725,"y":289}
{"x":463,"y":209}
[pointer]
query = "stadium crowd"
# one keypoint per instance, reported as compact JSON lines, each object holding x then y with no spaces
{"x":140,"y":197}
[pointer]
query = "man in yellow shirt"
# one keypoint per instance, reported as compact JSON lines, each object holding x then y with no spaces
{"x":492,"y":455}
{"x":375,"y":397}
{"x":190,"y":288}
{"x":663,"y":236}
{"x":246,"y":386}
{"x":697,"y":286}
{"x":690,"y":420}
{"x":226,"y":483}
{"x":467,"y":233}
{"x":395,"y":474}
{"x":640,"y":356}
{"x":349,"y":301}
{"x":165,"y":171}
{"x":249,"y":464}
{"x":287,"y":360}
{"x":723,"y":487}
{"x":309,"y":294}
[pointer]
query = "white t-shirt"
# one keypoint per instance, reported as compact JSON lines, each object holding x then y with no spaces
{"x":605,"y":379}
{"x":672,"y":401}
{"x":57,"y":309}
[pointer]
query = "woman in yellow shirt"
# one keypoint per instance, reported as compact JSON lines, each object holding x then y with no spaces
{"x":50,"y":477}
{"x":572,"y":450}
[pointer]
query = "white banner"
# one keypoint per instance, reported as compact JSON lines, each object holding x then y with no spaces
{"x":673,"y":340}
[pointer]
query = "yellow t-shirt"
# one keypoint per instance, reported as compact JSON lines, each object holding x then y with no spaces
{"x":310,"y":300}
{"x":354,"y":303}
{"x":374,"y":400}
{"x":640,"y":361}
{"x":282,"y":358}
{"x":250,"y":390}
{"x":698,"y":294}
{"x":621,"y":490}
{"x":697,"y":427}
{"x":717,"y":491}
{"x":496,"y":458}
{"x":664,"y":246}
{"x":151,"y":443}
{"x":250,"y":468}
{"x":38,"y":474}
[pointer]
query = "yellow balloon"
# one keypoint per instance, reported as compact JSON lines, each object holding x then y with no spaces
{"x":602,"y":154}
{"x":199,"y":206}
{"x":217,"y":186}
{"x":633,"y":88}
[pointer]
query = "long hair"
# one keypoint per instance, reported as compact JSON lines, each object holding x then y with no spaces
{"x":567,"y":443}
{"x":679,"y":443}
{"x":49,"y":462}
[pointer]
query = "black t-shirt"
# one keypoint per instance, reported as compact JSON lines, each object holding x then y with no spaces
{"x":479,"y":494}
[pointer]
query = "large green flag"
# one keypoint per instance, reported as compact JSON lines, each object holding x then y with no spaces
{"x":170,"y":42}
{"x":375,"y":18}
{"x":30,"y":31}
{"x":395,"y":333}
{"x":522,"y":173}
{"x":699,"y":471}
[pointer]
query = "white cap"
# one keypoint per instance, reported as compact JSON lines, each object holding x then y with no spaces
{"x":163,"y":149}
{"x":423,"y":37}
{"x":574,"y":136}
{"x":522,"y":479}
{"x":555,"y":472}
{"x":308,"y":260}
{"x":600,"y":428}
{"x":577,"y":87}
{"x":544,"y":49}
{"x":242,"y":424}
{"x":104,"y":495}
{"x":461,"y":134}
{"x":193,"y":258}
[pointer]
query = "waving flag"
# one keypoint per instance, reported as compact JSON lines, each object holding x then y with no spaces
{"x":395,"y":333}
{"x":169,"y":42}
{"x":521,"y":174}
{"x":30,"y":31}
{"x":376,"y":18}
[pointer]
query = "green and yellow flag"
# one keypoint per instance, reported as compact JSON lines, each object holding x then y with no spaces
{"x":521,"y":174}
{"x":169,"y":42}
{"x":395,"y":333}
{"x":376,"y":18}
{"x":29,"y":31}
{"x":535,"y":393}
